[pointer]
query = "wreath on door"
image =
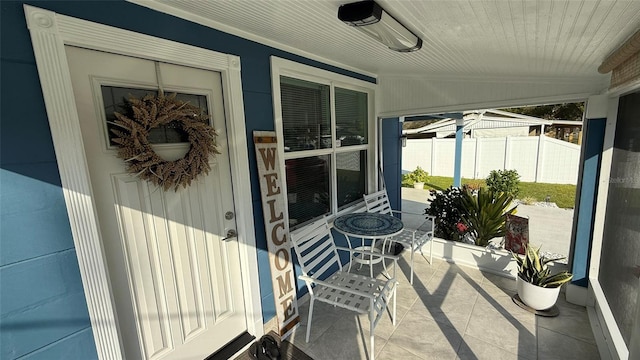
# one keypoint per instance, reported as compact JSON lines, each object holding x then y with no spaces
{"x":132,"y":132}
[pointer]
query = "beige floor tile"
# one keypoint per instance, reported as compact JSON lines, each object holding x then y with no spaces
{"x":426,"y":338}
{"x":344,"y":340}
{"x":450,"y":310}
{"x":324,"y":316}
{"x":453,"y":282}
{"x":502,"y":329}
{"x":385,"y":327}
{"x":502,"y":305}
{"x":499,"y":285}
{"x":473,"y":348}
{"x":394,"y":352}
{"x":556,"y":346}
{"x":573,"y":321}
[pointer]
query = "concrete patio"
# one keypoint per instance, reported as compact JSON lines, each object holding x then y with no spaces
{"x":451,"y":312}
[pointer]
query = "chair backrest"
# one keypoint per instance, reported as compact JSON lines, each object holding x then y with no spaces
{"x":316,"y":250}
{"x":378,"y":202}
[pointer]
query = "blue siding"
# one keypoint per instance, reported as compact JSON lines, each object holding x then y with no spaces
{"x":76,"y":346}
{"x":593,"y":141}
{"x":392,"y":160}
{"x":43,"y":309}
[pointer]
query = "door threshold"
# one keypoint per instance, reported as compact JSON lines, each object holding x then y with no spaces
{"x":233,"y":348}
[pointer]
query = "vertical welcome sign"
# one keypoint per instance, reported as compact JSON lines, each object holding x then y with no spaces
{"x":277,"y":228}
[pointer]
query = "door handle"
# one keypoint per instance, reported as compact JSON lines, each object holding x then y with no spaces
{"x":231,"y":233}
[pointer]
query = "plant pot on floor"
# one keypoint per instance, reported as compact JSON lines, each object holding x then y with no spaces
{"x":536,"y":297}
{"x":418,"y":185}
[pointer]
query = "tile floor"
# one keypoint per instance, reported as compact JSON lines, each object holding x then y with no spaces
{"x":451,"y":312}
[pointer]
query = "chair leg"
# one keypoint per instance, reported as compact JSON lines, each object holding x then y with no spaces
{"x":371,"y":335}
{"x":309,"y":320}
{"x":386,"y":241}
{"x":393,"y":320}
{"x":412,"y":252}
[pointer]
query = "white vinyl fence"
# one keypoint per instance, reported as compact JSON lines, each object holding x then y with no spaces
{"x":536,"y":158}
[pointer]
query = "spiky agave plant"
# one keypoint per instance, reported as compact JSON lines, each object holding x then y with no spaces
{"x":485,"y":214}
{"x":534,"y":270}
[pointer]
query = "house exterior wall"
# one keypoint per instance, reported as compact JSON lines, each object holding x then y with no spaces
{"x":42,"y":304}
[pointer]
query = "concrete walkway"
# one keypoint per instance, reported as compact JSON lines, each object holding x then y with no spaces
{"x":548,"y":227}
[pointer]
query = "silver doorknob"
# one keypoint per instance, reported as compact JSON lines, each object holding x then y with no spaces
{"x":231,"y":233}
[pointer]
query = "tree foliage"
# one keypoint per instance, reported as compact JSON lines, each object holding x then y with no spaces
{"x":568,"y":111}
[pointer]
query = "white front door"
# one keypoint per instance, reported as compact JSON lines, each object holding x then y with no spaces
{"x":175,"y":280}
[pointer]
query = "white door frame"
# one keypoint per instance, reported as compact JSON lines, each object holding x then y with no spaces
{"x":50,"y":32}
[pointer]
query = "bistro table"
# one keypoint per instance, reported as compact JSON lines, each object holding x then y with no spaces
{"x":366,"y":225}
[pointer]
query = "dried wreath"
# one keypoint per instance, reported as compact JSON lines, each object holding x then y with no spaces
{"x":153,"y":111}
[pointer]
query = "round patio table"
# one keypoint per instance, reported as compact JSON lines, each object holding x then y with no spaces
{"x":366,"y":225}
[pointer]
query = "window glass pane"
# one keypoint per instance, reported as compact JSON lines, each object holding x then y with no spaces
{"x":351,"y":117}
{"x":306,"y":112}
{"x":308,"y":188}
{"x":351,"y":170}
{"x":115,"y":100}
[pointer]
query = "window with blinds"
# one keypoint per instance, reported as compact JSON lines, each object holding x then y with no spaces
{"x":305,"y":115}
{"x":325,"y":157}
{"x":351,"y":117}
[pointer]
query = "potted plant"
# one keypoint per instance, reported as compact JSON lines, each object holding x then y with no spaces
{"x":485,"y":214}
{"x":537,"y":288}
{"x":417,"y":178}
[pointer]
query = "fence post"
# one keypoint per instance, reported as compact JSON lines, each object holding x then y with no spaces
{"x":540,"y":158}
{"x":507,"y":153}
{"x":476,"y":158}
{"x":433,"y":156}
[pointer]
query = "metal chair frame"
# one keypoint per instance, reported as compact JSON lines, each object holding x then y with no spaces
{"x":414,"y":239}
{"x":318,"y":257}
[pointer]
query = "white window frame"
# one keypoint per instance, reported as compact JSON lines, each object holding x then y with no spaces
{"x":281,"y":67}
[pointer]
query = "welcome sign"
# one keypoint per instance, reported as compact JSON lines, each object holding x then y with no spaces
{"x":277,"y":229}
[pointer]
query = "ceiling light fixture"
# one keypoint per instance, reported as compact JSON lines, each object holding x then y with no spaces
{"x":370,"y":18}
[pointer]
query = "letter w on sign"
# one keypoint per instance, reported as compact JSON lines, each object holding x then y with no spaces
{"x":277,"y":230}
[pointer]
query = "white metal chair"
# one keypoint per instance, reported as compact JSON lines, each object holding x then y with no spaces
{"x":318,"y":257}
{"x":413,"y":239}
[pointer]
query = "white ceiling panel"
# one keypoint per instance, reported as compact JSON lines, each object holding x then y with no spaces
{"x":479,"y":38}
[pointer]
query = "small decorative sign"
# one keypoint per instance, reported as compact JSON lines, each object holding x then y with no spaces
{"x":277,"y":229}
{"x":517,"y":234}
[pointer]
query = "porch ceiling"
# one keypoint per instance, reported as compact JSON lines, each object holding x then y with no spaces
{"x":567,"y":38}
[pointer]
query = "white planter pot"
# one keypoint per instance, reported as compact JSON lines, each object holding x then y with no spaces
{"x":418,"y":185}
{"x":536,"y":297}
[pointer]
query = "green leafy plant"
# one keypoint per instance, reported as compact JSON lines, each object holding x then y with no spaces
{"x":417,"y":175}
{"x":446,"y":207}
{"x":506,"y":181}
{"x":534,"y":270}
{"x":485,"y":214}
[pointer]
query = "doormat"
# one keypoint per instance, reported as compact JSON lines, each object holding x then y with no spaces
{"x":288,"y":351}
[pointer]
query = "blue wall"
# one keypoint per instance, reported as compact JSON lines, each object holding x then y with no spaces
{"x":392,"y":160}
{"x":43,"y":310}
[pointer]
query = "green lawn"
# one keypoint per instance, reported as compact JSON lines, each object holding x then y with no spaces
{"x":561,"y":194}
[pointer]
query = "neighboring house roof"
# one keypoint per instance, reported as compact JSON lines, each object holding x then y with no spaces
{"x":485,"y":119}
